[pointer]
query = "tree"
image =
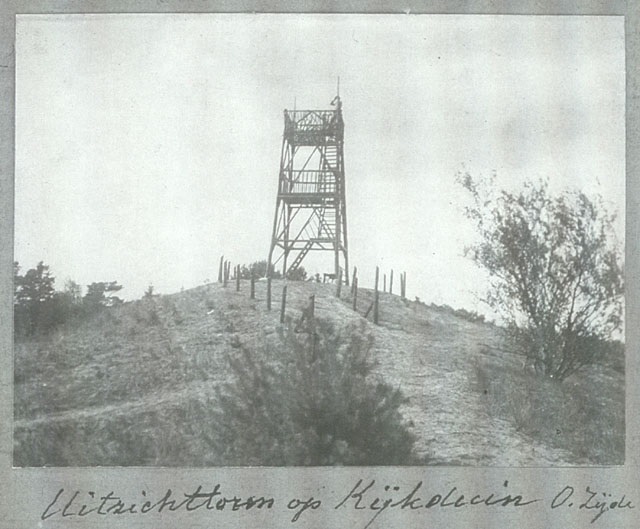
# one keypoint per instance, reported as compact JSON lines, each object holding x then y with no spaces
{"x":100,"y":294}
{"x":34,"y":307}
{"x":68,"y":303}
{"x":36,"y":286}
{"x":74,"y":291}
{"x":554,"y":268}
{"x":311,"y":401}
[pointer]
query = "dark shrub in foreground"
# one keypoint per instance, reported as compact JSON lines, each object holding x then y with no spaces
{"x":313,"y":404}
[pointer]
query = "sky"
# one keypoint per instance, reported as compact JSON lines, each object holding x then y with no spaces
{"x":148,"y":145}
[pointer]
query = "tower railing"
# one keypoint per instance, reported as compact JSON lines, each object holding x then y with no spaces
{"x":308,"y":181}
{"x":306,"y":125}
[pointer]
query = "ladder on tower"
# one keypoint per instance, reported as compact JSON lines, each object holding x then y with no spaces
{"x":330,"y":159}
{"x":296,"y":262}
{"x":327,"y":226}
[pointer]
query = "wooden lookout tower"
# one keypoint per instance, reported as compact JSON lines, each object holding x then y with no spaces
{"x":311,"y":212}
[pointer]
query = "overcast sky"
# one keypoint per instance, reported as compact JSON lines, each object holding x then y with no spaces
{"x":148,"y":145}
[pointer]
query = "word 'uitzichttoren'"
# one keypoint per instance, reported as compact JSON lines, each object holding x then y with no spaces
{"x":84,"y":504}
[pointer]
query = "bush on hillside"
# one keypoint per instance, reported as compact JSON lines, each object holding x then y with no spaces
{"x":101,"y":294}
{"x":555,"y":270}
{"x":299,"y":274}
{"x":314,"y":403}
{"x":259,"y":269}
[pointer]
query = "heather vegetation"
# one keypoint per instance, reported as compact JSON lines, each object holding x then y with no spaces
{"x":193,"y":380}
{"x":210,"y":377}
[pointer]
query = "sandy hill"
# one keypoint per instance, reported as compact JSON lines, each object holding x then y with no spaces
{"x":110,"y":389}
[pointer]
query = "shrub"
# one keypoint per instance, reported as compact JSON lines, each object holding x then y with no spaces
{"x":100,"y":295}
{"x":259,"y":269}
{"x":299,"y":274}
{"x":315,"y":403}
{"x":555,"y":271}
{"x":471,"y":316}
{"x":584,"y":417}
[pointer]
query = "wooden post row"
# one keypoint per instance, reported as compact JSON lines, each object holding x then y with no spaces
{"x":391,"y":282}
{"x":220,"y":269}
{"x":339,"y":285}
{"x":353,"y":281}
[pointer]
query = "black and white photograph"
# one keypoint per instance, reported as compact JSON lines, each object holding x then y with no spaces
{"x":319,"y":240}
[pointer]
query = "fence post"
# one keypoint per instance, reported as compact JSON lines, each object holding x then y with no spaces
{"x":220,"y":269}
{"x":354,"y":289}
{"x":375,"y":297}
{"x":284,"y":303}
{"x":375,"y":307}
{"x":339,"y":286}
{"x":312,"y":319}
{"x":268,"y":292}
{"x":238,"y":278}
{"x":225,"y":274}
{"x":366,"y":314}
{"x":403,"y":285}
{"x":355,"y":270}
{"x":384,"y":282}
{"x":253,"y":284}
{"x":391,"y":282}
